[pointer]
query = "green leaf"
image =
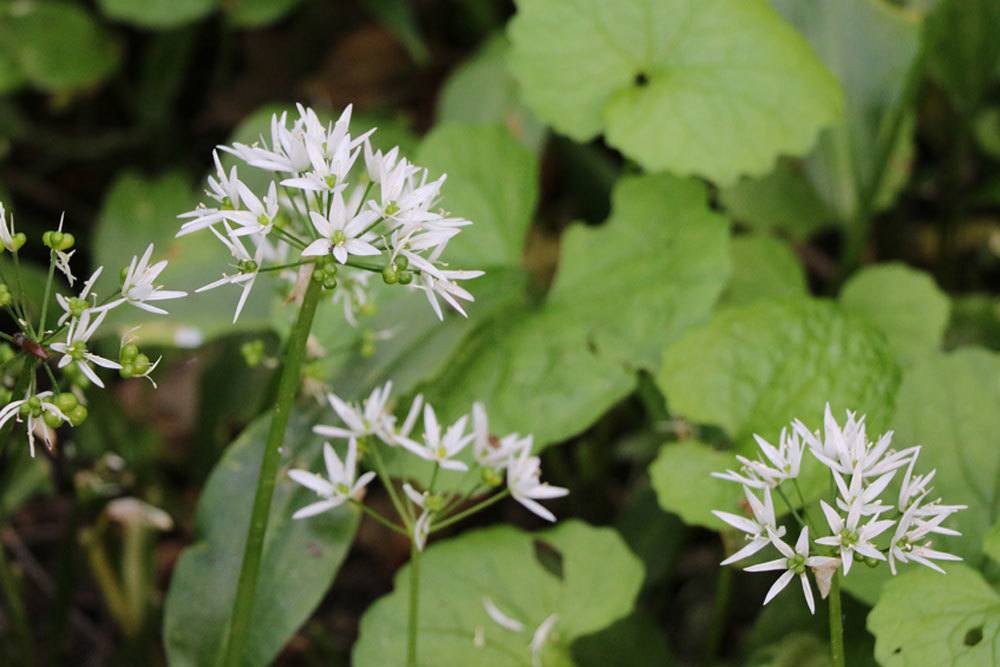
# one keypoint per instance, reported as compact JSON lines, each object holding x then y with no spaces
{"x":399,"y":17}
{"x":158,"y":14}
{"x":950,"y":405}
{"x":482,"y":90}
{"x":57,"y":45}
{"x":870,"y":47}
{"x":925,"y":619}
{"x":991,"y":544}
{"x":502,"y":564}
{"x":636,"y":641}
{"x":793,"y":650}
{"x":782,"y":200}
{"x":752,"y":369}
{"x":653,"y":269}
{"x":257,"y":13}
{"x":963,"y":52}
{"x":905,"y":304}
{"x":11,"y":77}
{"x":715,"y":89}
{"x":681,"y":476}
{"x":763,"y":268}
{"x":492,"y":181}
{"x":299,"y":562}
{"x":138,"y":211}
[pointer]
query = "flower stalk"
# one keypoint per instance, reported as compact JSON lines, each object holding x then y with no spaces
{"x":413,"y":616}
{"x":288,"y":384}
{"x":836,"y":625}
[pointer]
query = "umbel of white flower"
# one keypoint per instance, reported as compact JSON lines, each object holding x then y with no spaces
{"x":52,"y":366}
{"x":502,"y":466}
{"x":863,"y":519}
{"x":333,"y":205}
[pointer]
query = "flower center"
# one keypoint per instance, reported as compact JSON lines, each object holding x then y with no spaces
{"x":797,"y":564}
{"x":338,"y":238}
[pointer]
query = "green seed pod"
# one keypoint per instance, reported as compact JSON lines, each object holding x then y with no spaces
{"x":401,"y":262}
{"x":52,"y":420}
{"x":128,"y":353}
{"x":390,"y":275}
{"x":55,"y":240}
{"x":78,"y":415}
{"x":17,"y":242}
{"x":329,"y":281}
{"x":47,"y":239}
{"x":66,"y":401}
{"x":127,"y":371}
{"x":6,"y":298}
{"x":140,"y":365}
{"x":405,"y":277}
{"x":68,"y":241}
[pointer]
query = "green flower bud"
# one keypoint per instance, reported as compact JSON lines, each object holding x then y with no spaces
{"x":78,"y":415}
{"x":17,"y":241}
{"x":401,"y":262}
{"x":389,"y":275}
{"x":128,"y":353}
{"x":405,"y":277}
{"x":6,"y":298}
{"x":329,"y":281}
{"x":140,"y":366}
{"x":66,"y":401}
{"x":68,"y":241}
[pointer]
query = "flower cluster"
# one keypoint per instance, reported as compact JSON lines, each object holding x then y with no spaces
{"x":319,"y":212}
{"x":35,"y":346}
{"x":493,"y":460}
{"x":859,"y":516}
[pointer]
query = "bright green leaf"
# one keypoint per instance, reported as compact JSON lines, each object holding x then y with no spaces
{"x":715,"y":89}
{"x":11,"y":76}
{"x":963,"y":51}
{"x":950,"y":405}
{"x":257,"y":13}
{"x":481,"y":90}
{"x":905,"y":304}
{"x":299,"y":562}
{"x":763,"y":268}
{"x":991,"y":544}
{"x":501,"y":564}
{"x":752,"y":369}
{"x":783,"y":200}
{"x":158,"y":14}
{"x":492,"y":181}
{"x":57,"y":45}
{"x":926,"y":619}
{"x":681,"y":476}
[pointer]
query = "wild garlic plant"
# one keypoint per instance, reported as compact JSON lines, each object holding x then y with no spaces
{"x":48,"y":362}
{"x":499,"y":468}
{"x":864,"y":518}
{"x":335,"y":212}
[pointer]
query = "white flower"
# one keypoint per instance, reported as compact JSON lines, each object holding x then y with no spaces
{"x":500,"y":618}
{"x":35,"y":406}
{"x":138,"y":286}
{"x":258,"y":218}
{"x":74,"y":350}
{"x":247,"y":268}
{"x":374,"y":418}
{"x":748,"y":476}
{"x":524,"y":482}
{"x":342,"y":233}
{"x":394,"y":436}
{"x":847,"y":448}
{"x":438,"y":447}
{"x":914,"y":487}
{"x":340,"y":484}
{"x":867,"y":495}
{"x":850,"y":536}
{"x":6,"y":229}
{"x":905,"y":545}
{"x":438,"y":282}
{"x":422,"y":526}
{"x":785,"y":460}
{"x":794,"y":562}
{"x":224,"y":188}
{"x":75,"y":306}
{"x":488,"y":450}
{"x":758,"y":529}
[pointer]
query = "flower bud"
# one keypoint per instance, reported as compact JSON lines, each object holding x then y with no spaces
{"x":17,"y":241}
{"x":128,"y":353}
{"x":5,"y":296}
{"x":66,"y":401}
{"x":52,"y":420}
{"x":389,"y":275}
{"x":405,"y":277}
{"x":78,"y":415}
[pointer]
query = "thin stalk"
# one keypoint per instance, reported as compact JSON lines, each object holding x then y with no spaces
{"x":805,"y":509}
{"x":413,"y":618}
{"x":788,"y":504}
{"x":15,"y":604}
{"x":20,"y":294}
{"x":291,"y":238}
{"x":401,"y":508}
{"x":455,"y":518}
{"x":281,"y":267}
{"x":48,"y":291}
{"x":379,"y":517}
{"x":720,"y":611}
{"x":288,"y":384}
{"x":434,"y":477}
{"x":836,"y":624}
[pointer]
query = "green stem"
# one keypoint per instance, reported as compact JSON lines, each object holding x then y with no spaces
{"x":720,"y":610}
{"x":836,"y":624}
{"x":281,"y":267}
{"x":288,"y":385}
{"x":788,"y":504}
{"x":48,"y":291}
{"x":383,"y":475}
{"x":472,"y":510}
{"x":20,"y":294}
{"x":15,"y":604}
{"x":805,"y":509}
{"x":379,"y":517}
{"x":414,"y":611}
{"x":434,"y":477}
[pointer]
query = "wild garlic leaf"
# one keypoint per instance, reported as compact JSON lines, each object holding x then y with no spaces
{"x":157,"y":14}
{"x":764,"y":267}
{"x":715,"y":89}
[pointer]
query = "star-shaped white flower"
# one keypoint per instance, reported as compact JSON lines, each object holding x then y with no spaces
{"x":35,"y":406}
{"x":850,"y":536}
{"x":758,"y":530}
{"x":340,"y":484}
{"x":794,"y":562}
{"x":342,"y":233}
{"x":74,"y":306}
{"x":74,"y":349}
{"x":908,"y":541}
{"x":442,"y":448}
{"x":524,"y":473}
{"x":248,"y":268}
{"x":139,"y":286}
{"x":371,"y":418}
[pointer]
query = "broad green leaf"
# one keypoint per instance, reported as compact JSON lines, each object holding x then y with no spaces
{"x":138,"y":211}
{"x":502,"y":564}
{"x":782,"y":200}
{"x":986,"y":130}
{"x":752,"y":369}
{"x":158,"y":14}
{"x":57,"y":45}
{"x":482,"y":90}
{"x":715,"y":89}
{"x":299,"y":563}
{"x":653,"y":269}
{"x":257,"y":13}
{"x":963,"y":51}
{"x":905,"y":304}
{"x":870,"y":47}
{"x":399,"y":17}
{"x":950,"y":405}
{"x":991,"y":544}
{"x":763,"y":268}
{"x":793,"y":650}
{"x":975,"y":320}
{"x":22,"y":476}
{"x":492,"y":181}
{"x":926,"y":619}
{"x":681,"y":476}
{"x":636,"y":641}
{"x":11,"y":77}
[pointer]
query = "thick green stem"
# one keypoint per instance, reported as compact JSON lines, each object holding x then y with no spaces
{"x":288,"y":385}
{"x":414,"y":612}
{"x":836,"y":624}
{"x":15,"y":606}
